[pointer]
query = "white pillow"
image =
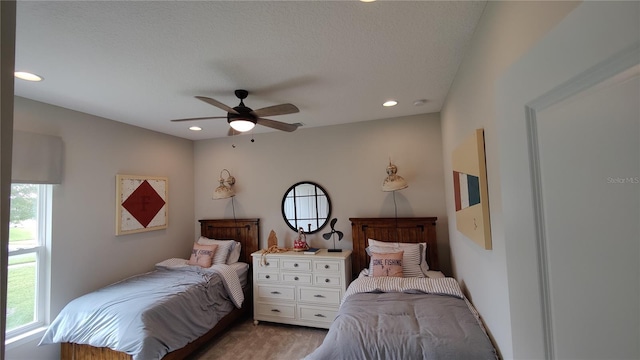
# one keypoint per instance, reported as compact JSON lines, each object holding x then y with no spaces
{"x":234,"y":255}
{"x":423,"y":260}
{"x":415,"y":256}
{"x":222,"y":252}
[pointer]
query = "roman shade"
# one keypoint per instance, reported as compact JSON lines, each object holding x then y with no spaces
{"x":37,"y":158}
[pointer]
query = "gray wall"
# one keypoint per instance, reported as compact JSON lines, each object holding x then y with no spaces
{"x":86,"y":254}
{"x":505,"y":32}
{"x":349,"y":161}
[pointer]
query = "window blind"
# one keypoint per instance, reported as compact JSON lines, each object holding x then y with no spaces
{"x":37,"y":158}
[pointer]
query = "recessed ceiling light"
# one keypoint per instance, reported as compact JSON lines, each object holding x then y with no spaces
{"x":390,"y":103}
{"x":27,"y":76}
{"x":420,"y":102}
{"x":195,"y":128}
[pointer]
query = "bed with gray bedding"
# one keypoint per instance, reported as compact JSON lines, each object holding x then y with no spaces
{"x":405,"y":318}
{"x":152,"y":314}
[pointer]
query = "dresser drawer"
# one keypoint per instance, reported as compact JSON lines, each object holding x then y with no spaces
{"x":268,"y":277}
{"x":276,"y":310}
{"x":319,"y":296}
{"x":326,"y":266}
{"x":314,"y":313}
{"x":296,"y":264}
{"x":276,"y":292}
{"x":304,"y":279}
{"x":298,"y":289}
{"x":327,"y":280}
{"x":271,"y":265}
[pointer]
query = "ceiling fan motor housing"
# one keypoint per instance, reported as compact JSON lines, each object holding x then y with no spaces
{"x":244,"y":113}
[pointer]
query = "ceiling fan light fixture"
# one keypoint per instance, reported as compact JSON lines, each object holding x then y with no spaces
{"x":242,"y":125}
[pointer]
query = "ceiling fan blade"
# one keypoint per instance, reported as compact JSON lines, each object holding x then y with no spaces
{"x":217,"y":104}
{"x":201,"y":118}
{"x":232,"y":132}
{"x":281,"y":109}
{"x":277,"y":125}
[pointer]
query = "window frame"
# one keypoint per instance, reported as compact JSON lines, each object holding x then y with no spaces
{"x":42,"y":251}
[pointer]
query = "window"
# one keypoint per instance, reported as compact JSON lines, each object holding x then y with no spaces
{"x":27,"y":275}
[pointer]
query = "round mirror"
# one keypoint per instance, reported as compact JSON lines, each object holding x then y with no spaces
{"x":306,"y":205}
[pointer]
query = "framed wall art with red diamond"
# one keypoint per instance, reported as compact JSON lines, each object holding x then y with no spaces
{"x":141,"y":203}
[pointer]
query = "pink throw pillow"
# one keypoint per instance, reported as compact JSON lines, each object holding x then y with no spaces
{"x":387,"y":264}
{"x":202,"y":255}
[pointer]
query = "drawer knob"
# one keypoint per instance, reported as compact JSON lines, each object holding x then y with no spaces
{"x":295,"y":265}
{"x":295,"y":278}
{"x":267,"y":277}
{"x":275,"y":310}
{"x":319,"y":315}
{"x":318,"y":296}
{"x":275,"y":292}
{"x":326,"y":266}
{"x":327,"y":280}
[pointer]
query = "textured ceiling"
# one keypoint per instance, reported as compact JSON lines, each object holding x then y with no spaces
{"x":142,"y":62}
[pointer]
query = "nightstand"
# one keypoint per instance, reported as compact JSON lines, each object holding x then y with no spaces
{"x":298,"y":289}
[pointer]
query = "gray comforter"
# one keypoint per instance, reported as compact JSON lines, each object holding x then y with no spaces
{"x":409,"y":324}
{"x":146,"y":316}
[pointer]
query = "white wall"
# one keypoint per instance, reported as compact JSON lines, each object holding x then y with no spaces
{"x":349,"y":161}
{"x":596,"y":41}
{"x":505,"y":32}
{"x":86,"y":253}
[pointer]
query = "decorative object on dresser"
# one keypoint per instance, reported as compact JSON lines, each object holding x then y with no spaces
{"x":141,"y":203}
{"x":311,"y":251}
{"x":471,"y":190}
{"x":332,"y":234}
{"x":292,"y":288}
{"x":300,"y":243}
{"x":272,"y":240}
{"x":244,"y":231}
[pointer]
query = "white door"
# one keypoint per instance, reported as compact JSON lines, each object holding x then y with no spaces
{"x":589,"y":151}
{"x":572,"y":187}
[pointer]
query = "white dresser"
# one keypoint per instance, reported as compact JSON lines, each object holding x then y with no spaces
{"x":298,"y":289}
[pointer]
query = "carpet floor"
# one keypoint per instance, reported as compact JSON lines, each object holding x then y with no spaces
{"x":266,"y":341}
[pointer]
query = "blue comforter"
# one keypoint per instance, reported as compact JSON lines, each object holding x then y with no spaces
{"x":147,"y":315}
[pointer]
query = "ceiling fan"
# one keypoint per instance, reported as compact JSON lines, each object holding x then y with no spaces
{"x":242,"y":118}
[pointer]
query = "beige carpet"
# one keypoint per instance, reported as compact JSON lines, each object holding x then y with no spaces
{"x":268,"y":341}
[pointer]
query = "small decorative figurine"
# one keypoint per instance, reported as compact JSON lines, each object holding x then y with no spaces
{"x":273,"y":239}
{"x":300,"y":243}
{"x":331,"y":234}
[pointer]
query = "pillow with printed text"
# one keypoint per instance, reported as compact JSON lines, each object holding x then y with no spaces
{"x":415,"y":264}
{"x":386,"y":264}
{"x":202,"y":255}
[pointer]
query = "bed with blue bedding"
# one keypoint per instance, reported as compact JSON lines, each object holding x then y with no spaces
{"x":166,"y":313}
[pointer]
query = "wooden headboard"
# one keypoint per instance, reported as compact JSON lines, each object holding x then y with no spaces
{"x":245,"y":231}
{"x":405,"y":230}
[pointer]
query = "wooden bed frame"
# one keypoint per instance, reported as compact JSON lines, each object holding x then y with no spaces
{"x":404,"y":230}
{"x":246,"y":231}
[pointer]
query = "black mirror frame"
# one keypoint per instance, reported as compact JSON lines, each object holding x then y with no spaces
{"x":284,"y":198}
